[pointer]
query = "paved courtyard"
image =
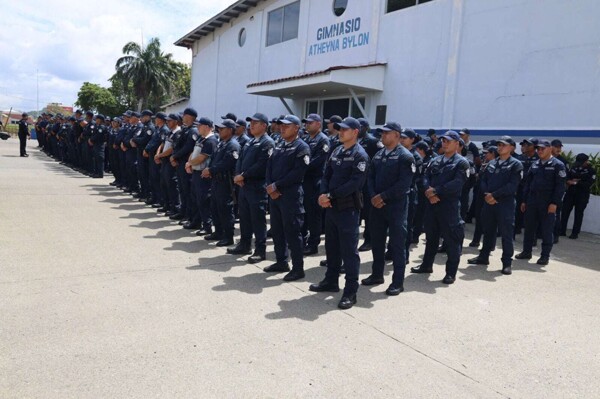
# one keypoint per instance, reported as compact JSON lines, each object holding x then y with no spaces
{"x":101,"y":298}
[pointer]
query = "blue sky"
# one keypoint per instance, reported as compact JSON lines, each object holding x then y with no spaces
{"x":67,"y":42}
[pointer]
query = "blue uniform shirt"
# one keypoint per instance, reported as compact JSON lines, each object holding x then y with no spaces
{"x":319,"y":151}
{"x":142,"y":138}
{"x":287,"y":166}
{"x":501,"y":178}
{"x":204,"y":146}
{"x":156,"y":139}
{"x":545,"y":182}
{"x":254,"y":157}
{"x":391,"y":174}
{"x":345,"y":172}
{"x":184,"y":142}
{"x":224,"y":159}
{"x":447,"y":176}
{"x":370,"y":144}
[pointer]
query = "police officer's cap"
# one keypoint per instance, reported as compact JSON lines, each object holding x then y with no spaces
{"x":274,"y":120}
{"x":260,"y":117}
{"x":100,"y":116}
{"x":51,"y":115}
{"x":173,"y":117}
{"x":127,"y":113}
{"x":89,"y":113}
{"x":161,"y":115}
{"x":363,"y":122}
{"x":431,"y":132}
{"x":241,"y":122}
{"x":230,"y":115}
{"x":581,"y":158}
{"x":493,"y":149}
{"x":24,"y":114}
{"x":72,"y":119}
{"x":451,"y":135}
{"x":78,"y":111}
{"x":556,"y":143}
{"x":507,"y":140}
{"x":289,"y":120}
{"x":408,"y":133}
{"x":542,"y":144}
{"x":422,"y":145}
{"x":461,"y":142}
{"x":464,"y":131}
{"x":81,"y":119}
{"x":312,"y":118}
{"x":135,"y":115}
{"x":227,"y":123}
{"x":334,"y":119}
{"x":205,"y":121}
{"x":190,"y":112}
{"x":390,"y":126}
{"x":117,"y":119}
{"x":147,"y":112}
{"x":348,"y":123}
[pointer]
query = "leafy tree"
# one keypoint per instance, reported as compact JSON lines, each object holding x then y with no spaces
{"x":96,"y":98}
{"x":148,"y":69}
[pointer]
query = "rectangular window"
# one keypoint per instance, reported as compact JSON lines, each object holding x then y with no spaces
{"x":395,"y":5}
{"x":283,"y":24}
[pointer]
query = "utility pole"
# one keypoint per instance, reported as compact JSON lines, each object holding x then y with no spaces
{"x":37,"y":99}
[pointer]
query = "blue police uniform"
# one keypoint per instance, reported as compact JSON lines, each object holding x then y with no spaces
{"x":119,"y":140}
{"x":153,"y":167}
{"x":98,"y":139}
{"x":343,"y":180}
{"x":501,"y":179}
{"x":222,"y":168}
{"x":200,"y":188}
{"x":544,"y":185}
{"x":413,"y":199}
{"x":313,"y":221}
{"x":183,"y":145}
{"x":131,"y":156}
{"x":252,"y":200}
{"x":422,"y":202}
{"x":168,"y":179}
{"x":286,"y":169}
{"x":23,"y":133}
{"x":578,"y":194}
{"x":447,"y":176}
{"x":390,"y":176}
{"x":141,"y":139}
{"x":527,"y":162}
{"x":88,"y":161}
{"x":371,"y":145}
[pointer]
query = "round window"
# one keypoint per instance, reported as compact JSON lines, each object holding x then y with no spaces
{"x":339,"y":6}
{"x":242,"y":37}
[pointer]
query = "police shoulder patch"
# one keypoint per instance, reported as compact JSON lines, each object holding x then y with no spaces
{"x":362,"y":166}
{"x":235,"y":155}
{"x":270,"y":151}
{"x":326,"y":148}
{"x":306,"y":159}
{"x":148,"y":132}
{"x":413,"y":167}
{"x":562,"y":173}
{"x":379,"y":144}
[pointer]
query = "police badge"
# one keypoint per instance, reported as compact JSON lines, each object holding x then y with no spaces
{"x":362,"y":166}
{"x":306,"y":159}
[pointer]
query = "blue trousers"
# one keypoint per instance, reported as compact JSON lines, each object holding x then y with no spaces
{"x":341,"y":244}
{"x":498,"y":218}
{"x":184,"y":181}
{"x":168,"y":183}
{"x":392,"y":218}
{"x":98,"y":159}
{"x":221,"y":204}
{"x":313,"y":218}
{"x":142,"y":172}
{"x":286,"y":229}
{"x":536,"y":217}
{"x":252,"y":206}
{"x":200,"y":197}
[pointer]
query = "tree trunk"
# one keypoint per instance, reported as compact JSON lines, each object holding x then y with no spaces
{"x":139,"y":105}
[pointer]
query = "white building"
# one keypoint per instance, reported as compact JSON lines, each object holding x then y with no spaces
{"x":518,"y":67}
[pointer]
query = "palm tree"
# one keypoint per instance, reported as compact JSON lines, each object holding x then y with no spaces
{"x":148,"y":69}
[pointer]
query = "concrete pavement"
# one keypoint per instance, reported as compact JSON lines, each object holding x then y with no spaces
{"x":101,"y":298}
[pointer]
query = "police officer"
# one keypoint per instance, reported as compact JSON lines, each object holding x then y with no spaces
{"x":115,"y":161}
{"x":471,"y":153}
{"x":221,"y":171}
{"x":332,"y":132}
{"x":489,"y":152}
{"x":160,"y":130}
{"x":558,"y":154}
{"x":24,"y":134}
{"x":542,"y":194}
{"x":498,"y":183}
{"x":319,"y":151}
{"x":134,"y":130}
{"x":86,"y":148}
{"x":97,"y":141}
{"x":139,"y":141}
{"x":168,"y":179}
{"x":389,"y":184}
{"x":120,"y":143}
{"x":341,"y":196}
{"x":371,"y":145}
{"x":580,"y":179}
{"x":443,"y":182}
{"x":284,"y":176}
{"x":183,"y":145}
{"x":200,"y":158}
{"x":408,"y":137}
{"x":250,"y":173}
{"x":528,"y":157}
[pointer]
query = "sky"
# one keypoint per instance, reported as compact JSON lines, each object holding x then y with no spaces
{"x":63,"y":43}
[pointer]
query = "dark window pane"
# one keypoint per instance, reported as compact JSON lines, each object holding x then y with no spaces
{"x":395,"y":5}
{"x":423,"y":1}
{"x":355,"y":111}
{"x":336,"y":107}
{"x":312,"y":107}
{"x":290,"y":21}
{"x":339,"y":6}
{"x":274,"y":26}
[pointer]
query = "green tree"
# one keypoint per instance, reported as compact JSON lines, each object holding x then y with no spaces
{"x":96,"y":98}
{"x":148,"y":69}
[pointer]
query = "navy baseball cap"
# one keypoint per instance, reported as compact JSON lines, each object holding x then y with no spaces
{"x":205,"y":121}
{"x":312,"y":118}
{"x":390,"y":126}
{"x":127,"y":113}
{"x":241,"y":122}
{"x":542,"y":143}
{"x":227,"y":123}
{"x":422,"y":145}
{"x":408,"y":133}
{"x":191,"y":112}
{"x":289,"y":120}
{"x":173,"y":117}
{"x":100,"y":116}
{"x":451,"y":135}
{"x":135,"y":114}
{"x":493,"y":149}
{"x":260,"y":117}
{"x":147,"y":112}
{"x":506,"y":140}
{"x":464,"y":131}
{"x":230,"y":115}
{"x":334,"y":119}
{"x":348,"y":123}
{"x":72,"y":119}
{"x":161,"y":115}
{"x":556,"y":143}
{"x":431,"y":132}
{"x":77,"y":112}
{"x":363,"y":122}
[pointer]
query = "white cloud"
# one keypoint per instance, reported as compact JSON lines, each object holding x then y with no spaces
{"x":68,"y":42}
